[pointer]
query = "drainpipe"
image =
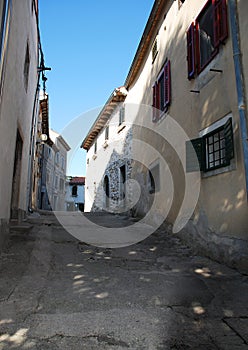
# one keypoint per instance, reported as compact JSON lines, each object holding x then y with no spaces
{"x":237,"y":58}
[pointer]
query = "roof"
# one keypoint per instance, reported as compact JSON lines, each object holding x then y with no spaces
{"x":77,"y":180}
{"x":157,"y":14}
{"x":118,"y":95}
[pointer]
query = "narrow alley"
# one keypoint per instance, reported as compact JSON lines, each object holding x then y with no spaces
{"x":59,"y":293}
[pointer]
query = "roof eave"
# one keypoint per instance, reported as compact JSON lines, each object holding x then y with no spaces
{"x":145,"y":42}
{"x":117,"y":96}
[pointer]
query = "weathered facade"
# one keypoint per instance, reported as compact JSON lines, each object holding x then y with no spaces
{"x":188,"y":81}
{"x":41,"y":155}
{"x":54,"y":172}
{"x":19,"y":100}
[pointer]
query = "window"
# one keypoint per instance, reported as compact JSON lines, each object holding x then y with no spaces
{"x":205,"y":36}
{"x":26,"y":67}
{"x":107,"y":133}
{"x":213,"y":150}
{"x":48,"y":177}
{"x":121,"y":115}
{"x":154,"y":49}
{"x":57,"y":158}
{"x":61,"y":185}
{"x":62,"y":163}
{"x":162,"y":92}
{"x":74,"y":191}
{"x":95,"y":147}
{"x":56,"y":179}
{"x":154,"y":179}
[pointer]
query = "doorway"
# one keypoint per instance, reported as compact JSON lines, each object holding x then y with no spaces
{"x":106,"y":192}
{"x":122,"y":188}
{"x":16,"y":177}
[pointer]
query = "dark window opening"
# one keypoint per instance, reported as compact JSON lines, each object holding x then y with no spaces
{"x":107,"y":133}
{"x":205,"y":36}
{"x":205,"y":29}
{"x":154,"y":179}
{"x":121,"y":115}
{"x":26,"y":67}
{"x":154,"y":50}
{"x":74,"y":191}
{"x":122,"y":182}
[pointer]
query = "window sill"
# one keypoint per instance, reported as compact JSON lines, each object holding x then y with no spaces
{"x":218,"y":171}
{"x":161,"y":116}
{"x":120,"y":128}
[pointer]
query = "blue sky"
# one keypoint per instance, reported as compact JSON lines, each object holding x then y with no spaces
{"x":90,"y":46}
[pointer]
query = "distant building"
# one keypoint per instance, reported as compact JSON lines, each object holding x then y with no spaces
{"x":75,"y":193}
{"x":56,"y":171}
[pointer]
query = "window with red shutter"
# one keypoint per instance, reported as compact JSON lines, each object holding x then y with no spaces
{"x":162,"y":92}
{"x":206,"y":35}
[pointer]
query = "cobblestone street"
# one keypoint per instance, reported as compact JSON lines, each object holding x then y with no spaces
{"x":59,"y":293}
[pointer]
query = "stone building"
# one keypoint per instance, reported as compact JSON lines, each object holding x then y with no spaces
{"x":188,"y":80}
{"x":108,"y":156}
{"x":19,"y":101}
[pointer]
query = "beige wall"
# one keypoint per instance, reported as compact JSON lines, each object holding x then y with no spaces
{"x":222,"y":200}
{"x":16,"y":104}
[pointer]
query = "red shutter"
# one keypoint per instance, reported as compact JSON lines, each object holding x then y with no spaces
{"x":167,"y":84}
{"x":191,"y":51}
{"x":220,"y":21}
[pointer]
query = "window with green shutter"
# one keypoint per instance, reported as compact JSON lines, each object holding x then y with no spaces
{"x":211,"y":151}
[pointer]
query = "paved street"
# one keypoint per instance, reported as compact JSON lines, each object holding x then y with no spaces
{"x":59,"y":293}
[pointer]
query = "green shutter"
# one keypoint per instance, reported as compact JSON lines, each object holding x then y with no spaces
{"x":195,"y":159}
{"x":229,"y":146}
